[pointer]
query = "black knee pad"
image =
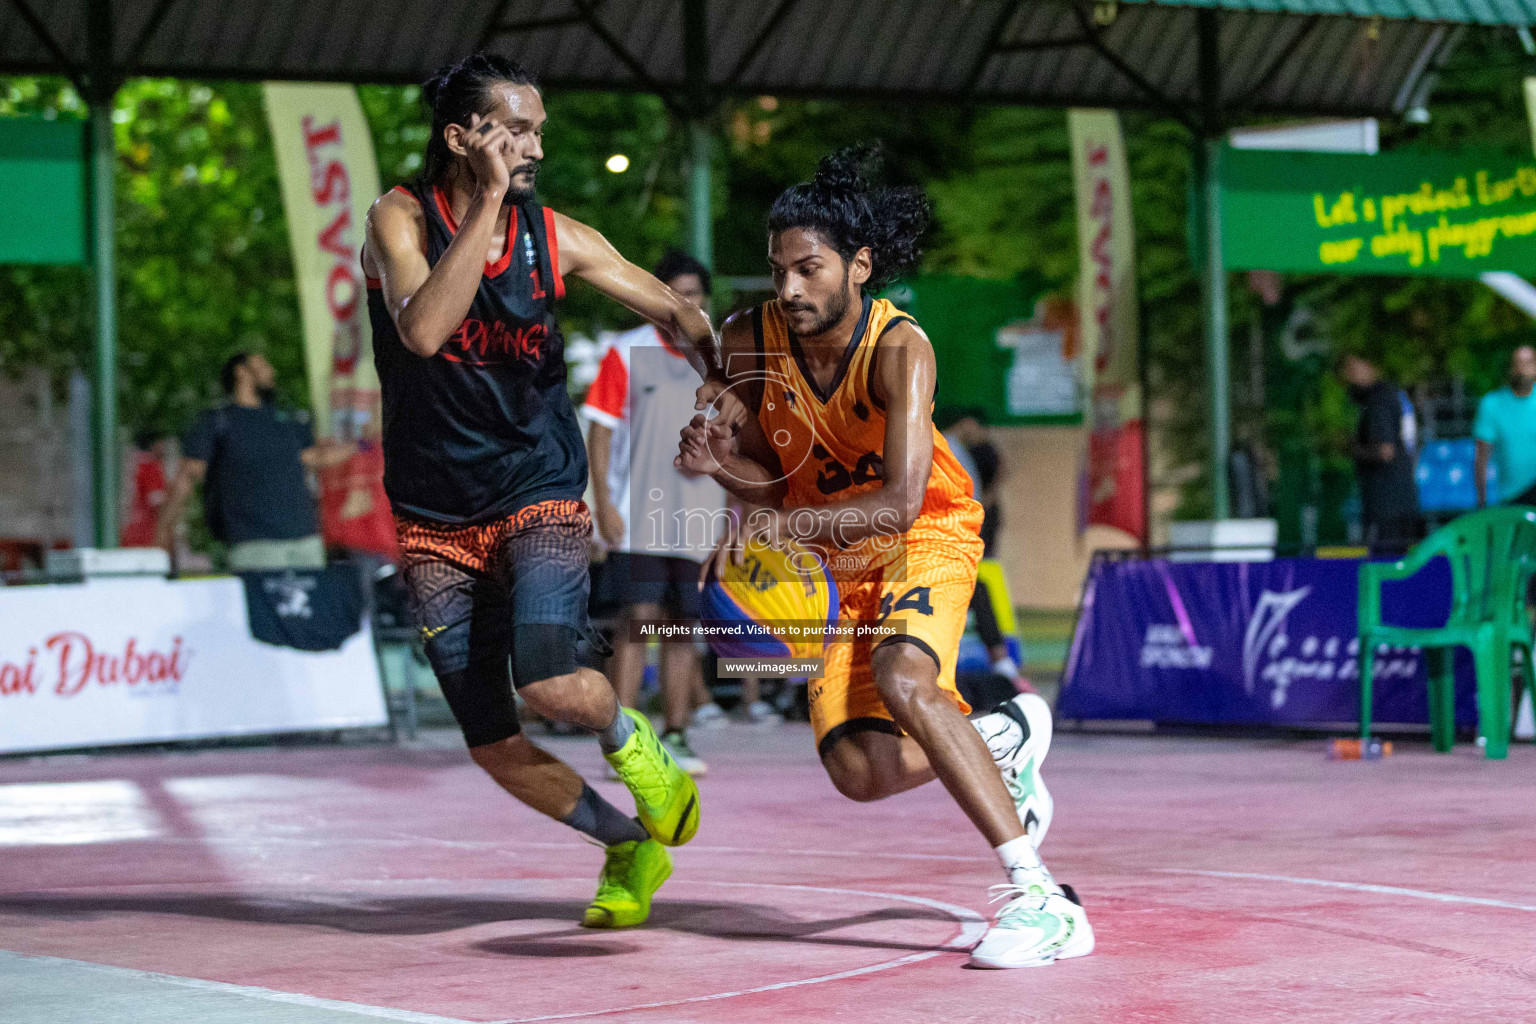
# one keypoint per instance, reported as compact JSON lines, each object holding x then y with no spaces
{"x":542,"y":651}
{"x":480,"y":698}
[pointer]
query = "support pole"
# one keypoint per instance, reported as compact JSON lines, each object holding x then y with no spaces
{"x":1144,"y":386}
{"x":1213,"y":275}
{"x":701,"y":224}
{"x":1213,"y":307}
{"x":102,"y":82}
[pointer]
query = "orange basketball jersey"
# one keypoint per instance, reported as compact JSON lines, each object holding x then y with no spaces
{"x":831,"y":444}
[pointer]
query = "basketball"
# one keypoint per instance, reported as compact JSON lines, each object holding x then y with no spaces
{"x":771,"y":587}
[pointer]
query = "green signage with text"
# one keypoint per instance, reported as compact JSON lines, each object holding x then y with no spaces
{"x":1437,"y":214}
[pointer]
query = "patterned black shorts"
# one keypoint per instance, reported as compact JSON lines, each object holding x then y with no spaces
{"x":471,"y":588}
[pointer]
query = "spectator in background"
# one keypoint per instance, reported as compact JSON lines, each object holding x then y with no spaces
{"x":642,"y":398}
{"x":968,"y":432}
{"x":978,"y":456}
{"x":1505,"y":431}
{"x":1386,"y":441}
{"x":251,"y":455}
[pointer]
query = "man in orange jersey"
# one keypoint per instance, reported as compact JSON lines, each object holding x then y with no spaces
{"x":830,"y":440}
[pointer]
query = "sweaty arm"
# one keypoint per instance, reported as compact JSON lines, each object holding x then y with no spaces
{"x":904,"y":379}
{"x":427,"y":303}
{"x":585,"y":253}
{"x":734,"y":452}
{"x":905,"y":375}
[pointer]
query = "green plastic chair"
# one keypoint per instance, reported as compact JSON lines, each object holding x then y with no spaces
{"x":1492,"y":555}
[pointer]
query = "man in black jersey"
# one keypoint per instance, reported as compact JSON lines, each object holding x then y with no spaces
{"x":485,"y":466}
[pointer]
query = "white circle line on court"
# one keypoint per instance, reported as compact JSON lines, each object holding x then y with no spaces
{"x":972,"y":925}
{"x":402,"y":839}
{"x":1385,"y":890}
{"x":767,"y":851}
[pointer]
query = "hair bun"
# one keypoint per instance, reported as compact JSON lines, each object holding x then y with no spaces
{"x":849,"y":169}
{"x":431,"y":87}
{"x":848,"y":207}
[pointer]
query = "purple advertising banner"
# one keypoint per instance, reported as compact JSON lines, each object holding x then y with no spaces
{"x":1253,"y":643}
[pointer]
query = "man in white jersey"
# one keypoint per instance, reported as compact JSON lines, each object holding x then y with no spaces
{"x":656,"y":520}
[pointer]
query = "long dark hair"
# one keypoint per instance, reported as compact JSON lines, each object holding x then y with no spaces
{"x":843,"y":205}
{"x":457,"y":91}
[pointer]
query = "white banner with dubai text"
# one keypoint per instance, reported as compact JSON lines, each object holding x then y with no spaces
{"x":150,"y":660}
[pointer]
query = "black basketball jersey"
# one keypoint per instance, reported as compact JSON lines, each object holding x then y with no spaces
{"x":485,"y":427}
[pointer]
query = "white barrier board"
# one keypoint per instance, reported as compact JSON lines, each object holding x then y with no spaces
{"x":147,"y":660}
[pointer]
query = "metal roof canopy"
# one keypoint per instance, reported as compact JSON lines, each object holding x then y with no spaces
{"x":1201,"y":61}
{"x":1344,"y":57}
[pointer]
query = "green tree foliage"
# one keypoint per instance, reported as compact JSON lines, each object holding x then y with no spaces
{"x":204,"y":267}
{"x":770,"y":144}
{"x":1421,"y":330}
{"x":202,"y":251}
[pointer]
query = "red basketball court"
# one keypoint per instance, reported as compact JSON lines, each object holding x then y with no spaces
{"x":1227,"y":880}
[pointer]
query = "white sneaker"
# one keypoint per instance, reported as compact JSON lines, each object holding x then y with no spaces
{"x":1019,"y":759}
{"x":1036,"y":927}
{"x":709,"y":716}
{"x":759,"y":712}
{"x":676,"y":744}
{"x":1525,"y":719}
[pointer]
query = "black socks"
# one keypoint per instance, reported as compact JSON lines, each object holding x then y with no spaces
{"x":596,"y":817}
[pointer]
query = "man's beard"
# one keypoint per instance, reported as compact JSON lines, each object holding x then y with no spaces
{"x":837,"y":308}
{"x":523,"y":195}
{"x":267,"y":394}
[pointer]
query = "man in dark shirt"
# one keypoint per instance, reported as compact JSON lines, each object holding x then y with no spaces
{"x":485,"y":465}
{"x":1384,"y":452}
{"x":252,"y":455}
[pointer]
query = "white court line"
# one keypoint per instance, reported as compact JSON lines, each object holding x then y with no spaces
{"x":405,"y":839}
{"x":249,"y":991}
{"x":842,"y":854}
{"x":1386,"y":890}
{"x":767,"y":851}
{"x":972,"y":925}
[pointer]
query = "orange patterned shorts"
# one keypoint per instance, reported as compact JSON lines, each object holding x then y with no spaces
{"x":479,"y":547}
{"x":470,"y":586}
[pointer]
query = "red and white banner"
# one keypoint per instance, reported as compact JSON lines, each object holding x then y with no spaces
{"x":150,"y":660}
{"x":329,"y":176}
{"x":1109,"y":322}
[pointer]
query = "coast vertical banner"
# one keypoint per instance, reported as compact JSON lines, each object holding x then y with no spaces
{"x":1109,"y":326}
{"x":329,"y":177}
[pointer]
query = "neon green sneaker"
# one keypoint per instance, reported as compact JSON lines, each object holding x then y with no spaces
{"x":666,"y":799}
{"x":631,"y":875}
